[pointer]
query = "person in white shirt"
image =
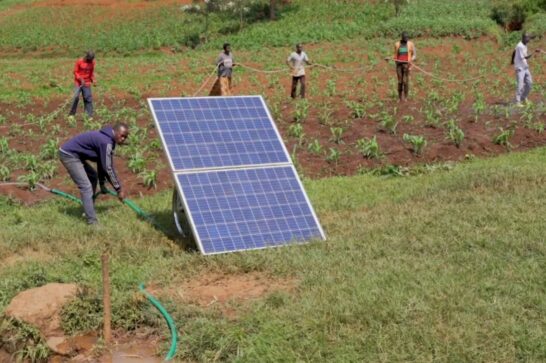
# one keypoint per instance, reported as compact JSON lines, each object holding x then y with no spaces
{"x":297,"y":61}
{"x":225,"y":64}
{"x":523,"y":75}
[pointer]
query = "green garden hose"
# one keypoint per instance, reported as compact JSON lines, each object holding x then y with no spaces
{"x":127,"y":202}
{"x":58,"y":192}
{"x":168,"y":319}
{"x":141,"y":213}
{"x":65,"y":195}
{"x":134,"y":207}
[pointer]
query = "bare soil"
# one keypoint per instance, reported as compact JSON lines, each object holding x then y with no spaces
{"x":478,"y":141}
{"x":220,"y":291}
{"x":135,"y":347}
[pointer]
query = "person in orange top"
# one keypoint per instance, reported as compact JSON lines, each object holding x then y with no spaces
{"x":404,"y":55}
{"x":83,"y":78}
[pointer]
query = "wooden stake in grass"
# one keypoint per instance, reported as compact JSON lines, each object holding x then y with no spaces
{"x":107,"y":327}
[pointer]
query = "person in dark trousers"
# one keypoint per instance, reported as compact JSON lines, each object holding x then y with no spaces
{"x":96,"y":146}
{"x":83,"y":78}
{"x":404,"y":55}
{"x":297,"y":61}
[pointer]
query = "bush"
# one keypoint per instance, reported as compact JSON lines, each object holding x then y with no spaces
{"x":509,"y":15}
{"x":536,"y":24}
{"x":512,"y":14}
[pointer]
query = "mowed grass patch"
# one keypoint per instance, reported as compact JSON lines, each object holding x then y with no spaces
{"x":443,"y":267}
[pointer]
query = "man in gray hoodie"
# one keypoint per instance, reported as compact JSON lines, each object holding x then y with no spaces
{"x":96,"y":146}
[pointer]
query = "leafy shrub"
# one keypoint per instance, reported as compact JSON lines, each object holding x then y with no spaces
{"x":388,"y":122}
{"x":432,"y":116}
{"x":536,"y":24}
{"x":357,"y":109}
{"x":503,"y":138}
{"x":479,"y":106}
{"x":315,"y":147}
{"x":455,"y":133}
{"x":137,"y":163}
{"x":331,"y":88}
{"x":49,"y":149}
{"x":418,"y":143}
{"x":337,"y":134}
{"x":302,"y":111}
{"x":5,"y":173}
{"x":23,"y":341}
{"x":509,"y":15}
{"x":47,"y":169}
{"x":295,"y":130}
{"x":32,"y":178}
{"x":333,"y":156}
{"x":325,"y":115}
{"x":512,"y":14}
{"x":369,"y":148}
{"x":4,"y":145}
{"x":149,"y":178}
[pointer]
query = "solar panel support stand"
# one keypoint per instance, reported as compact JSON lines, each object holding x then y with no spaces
{"x":179,"y":214}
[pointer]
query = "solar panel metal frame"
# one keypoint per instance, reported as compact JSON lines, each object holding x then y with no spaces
{"x":210,"y":169}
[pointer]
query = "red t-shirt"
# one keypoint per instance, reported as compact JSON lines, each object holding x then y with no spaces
{"x":403,"y":53}
{"x":84,"y":70}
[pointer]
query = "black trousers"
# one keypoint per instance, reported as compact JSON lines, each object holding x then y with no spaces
{"x":295,"y":80}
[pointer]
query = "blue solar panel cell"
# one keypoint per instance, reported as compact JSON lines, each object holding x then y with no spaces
{"x":218,"y":132}
{"x":243,"y":209}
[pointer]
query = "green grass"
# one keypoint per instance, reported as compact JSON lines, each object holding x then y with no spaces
{"x":5,"y":4}
{"x":122,"y":31}
{"x":443,"y":267}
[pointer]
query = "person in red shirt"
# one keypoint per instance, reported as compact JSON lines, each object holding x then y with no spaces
{"x":404,"y":55}
{"x":83,"y":78}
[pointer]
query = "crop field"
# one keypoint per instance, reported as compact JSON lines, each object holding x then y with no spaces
{"x":350,"y":123}
{"x":432,"y":207}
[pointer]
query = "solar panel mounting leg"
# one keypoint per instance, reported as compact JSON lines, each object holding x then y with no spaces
{"x":180,"y":217}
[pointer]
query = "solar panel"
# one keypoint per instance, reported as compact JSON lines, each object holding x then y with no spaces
{"x":242,"y":209}
{"x":237,"y":184}
{"x":218,"y":132}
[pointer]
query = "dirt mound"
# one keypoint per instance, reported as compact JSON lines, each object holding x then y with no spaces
{"x":41,"y":306}
{"x":4,"y":356}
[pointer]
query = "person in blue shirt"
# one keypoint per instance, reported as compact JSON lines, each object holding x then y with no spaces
{"x":98,"y":147}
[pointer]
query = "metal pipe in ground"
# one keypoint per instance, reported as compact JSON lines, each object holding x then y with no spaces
{"x":107,"y":324}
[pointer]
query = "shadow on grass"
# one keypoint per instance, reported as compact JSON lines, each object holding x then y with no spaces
{"x":163,"y":221}
{"x":160,"y":221}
